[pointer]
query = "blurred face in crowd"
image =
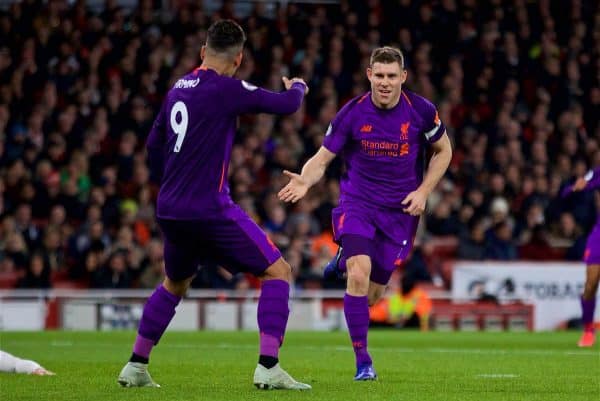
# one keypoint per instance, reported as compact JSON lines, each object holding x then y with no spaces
{"x":58,"y":214}
{"x":386,"y":83}
{"x":117,"y":263}
{"x":504,"y":232}
{"x":568,"y":226}
{"x":478,"y":232}
{"x":37,"y":265}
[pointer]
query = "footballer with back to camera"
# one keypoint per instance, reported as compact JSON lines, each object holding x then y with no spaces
{"x":189,"y":148}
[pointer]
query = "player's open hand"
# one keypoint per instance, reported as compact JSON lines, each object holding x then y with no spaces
{"x":287,"y":82}
{"x":42,"y":372}
{"x":580,"y":184}
{"x":414,"y":203}
{"x":295,"y":189}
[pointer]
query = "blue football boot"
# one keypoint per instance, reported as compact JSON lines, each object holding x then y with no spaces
{"x":332,"y":269}
{"x":365,"y":372}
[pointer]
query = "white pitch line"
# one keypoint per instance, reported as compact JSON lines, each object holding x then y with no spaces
{"x":497,"y":376}
{"x":340,"y":348}
{"x":61,"y":343}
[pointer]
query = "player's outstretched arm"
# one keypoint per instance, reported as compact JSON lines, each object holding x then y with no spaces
{"x":312,"y":171}
{"x":414,"y":203}
{"x":594,"y":179}
{"x":252,"y":99}
{"x":588,"y":182}
{"x":288,"y":82}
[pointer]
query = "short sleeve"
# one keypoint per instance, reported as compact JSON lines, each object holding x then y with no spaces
{"x":339,"y":130}
{"x":433,"y":128}
{"x":593,"y":179}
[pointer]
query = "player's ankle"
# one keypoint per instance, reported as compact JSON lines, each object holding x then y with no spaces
{"x":138,"y":358}
{"x":268,"y":361}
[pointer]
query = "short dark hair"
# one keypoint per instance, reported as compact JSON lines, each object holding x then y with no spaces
{"x":225,"y":36}
{"x":387,"y":55}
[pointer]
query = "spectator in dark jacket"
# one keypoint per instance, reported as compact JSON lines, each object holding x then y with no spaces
{"x":37,"y":275}
{"x":473,"y":247}
{"x":500,"y":244}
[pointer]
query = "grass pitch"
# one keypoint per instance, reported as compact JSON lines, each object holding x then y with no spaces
{"x":412,"y":366}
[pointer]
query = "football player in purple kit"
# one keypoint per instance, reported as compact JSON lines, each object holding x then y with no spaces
{"x":591,"y":257}
{"x":189,"y":148}
{"x":381,"y":137}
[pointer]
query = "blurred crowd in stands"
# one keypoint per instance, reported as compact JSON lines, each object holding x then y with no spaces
{"x":516,"y":82}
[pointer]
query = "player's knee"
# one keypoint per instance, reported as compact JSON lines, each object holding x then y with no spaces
{"x":359,"y":270}
{"x":280,"y":270}
{"x":177,"y":287}
{"x":358,"y":279}
{"x":590,"y":289}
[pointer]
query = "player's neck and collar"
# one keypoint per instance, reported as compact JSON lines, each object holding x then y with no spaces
{"x":220,"y":64}
{"x":390,"y":106}
{"x":215,"y":67}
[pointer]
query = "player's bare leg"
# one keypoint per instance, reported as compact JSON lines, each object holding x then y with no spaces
{"x":376,"y":292}
{"x":588,"y":305}
{"x":273,"y":312}
{"x":356,"y":310}
{"x":158,"y":312}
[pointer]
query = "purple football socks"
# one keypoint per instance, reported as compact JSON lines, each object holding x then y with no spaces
{"x":356,"y":310}
{"x":273,"y":312}
{"x":587,"y":308}
{"x":142,"y":346}
{"x":158,"y":312}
